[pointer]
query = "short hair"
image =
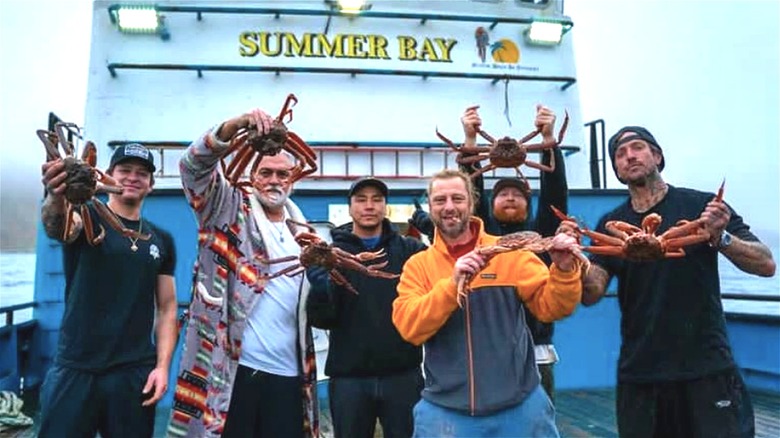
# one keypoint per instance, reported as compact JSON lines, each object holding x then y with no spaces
{"x":451,"y":174}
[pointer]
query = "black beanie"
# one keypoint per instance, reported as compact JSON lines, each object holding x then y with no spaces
{"x":639,"y":133}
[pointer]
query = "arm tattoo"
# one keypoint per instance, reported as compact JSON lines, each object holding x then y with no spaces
{"x":751,"y":257}
{"x":594,"y":284}
{"x":53,"y":217}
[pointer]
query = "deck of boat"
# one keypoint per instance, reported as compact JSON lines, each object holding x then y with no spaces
{"x":580,"y":414}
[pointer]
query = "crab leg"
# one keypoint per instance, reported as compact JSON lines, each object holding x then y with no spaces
{"x":540,"y":166}
{"x":287,"y":108}
{"x":301,"y":224}
{"x":530,"y":136}
{"x":372,"y":271}
{"x":486,"y":136}
{"x":89,"y":230}
{"x":616,"y":251}
{"x":447,"y":140}
{"x":286,"y":270}
{"x":678,"y":243}
{"x":69,"y":222}
{"x":266,"y":261}
{"x":63,"y":138}
{"x":487,"y":168}
{"x":363,"y":256}
{"x":89,"y":154}
{"x":106,"y":183}
{"x":238,"y":164}
{"x":49,"y":140}
{"x":115,"y":223}
{"x":342,"y":281}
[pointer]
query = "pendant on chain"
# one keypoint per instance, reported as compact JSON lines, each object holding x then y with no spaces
{"x":134,"y":247}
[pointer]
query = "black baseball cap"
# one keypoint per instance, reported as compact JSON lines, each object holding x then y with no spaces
{"x":134,"y":151}
{"x":636,"y":133}
{"x":517,"y":183}
{"x":366,"y":182}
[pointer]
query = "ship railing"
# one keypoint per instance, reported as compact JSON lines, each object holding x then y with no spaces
{"x":352,"y":160}
{"x":15,"y":344}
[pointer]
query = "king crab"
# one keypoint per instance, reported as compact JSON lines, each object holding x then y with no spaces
{"x":83,"y":181}
{"x":317,"y":252}
{"x":249,"y":145}
{"x":506,"y":152}
{"x":527,"y":240}
{"x":641,"y":243}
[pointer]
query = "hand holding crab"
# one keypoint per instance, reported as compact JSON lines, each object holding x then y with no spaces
{"x":506,"y":152}
{"x":641,"y":243}
{"x":563,"y":249}
{"x":254,"y":135}
{"x":317,"y":252}
{"x":77,"y":181}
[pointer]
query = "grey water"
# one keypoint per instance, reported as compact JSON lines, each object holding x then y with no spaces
{"x":17,"y":279}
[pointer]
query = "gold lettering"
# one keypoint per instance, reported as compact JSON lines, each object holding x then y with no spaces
{"x":445,"y":46}
{"x":326,"y":48}
{"x":295,"y":47}
{"x":265,"y":44}
{"x":248,"y":44}
{"x":428,"y":51}
{"x":355,"y":46}
{"x":407,"y":48}
{"x":377,"y":47}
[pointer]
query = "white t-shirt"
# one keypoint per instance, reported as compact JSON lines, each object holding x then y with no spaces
{"x":270,"y":337}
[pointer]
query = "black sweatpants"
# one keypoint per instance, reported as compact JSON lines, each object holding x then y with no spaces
{"x":710,"y":407}
{"x":78,"y":404}
{"x":264,"y":405}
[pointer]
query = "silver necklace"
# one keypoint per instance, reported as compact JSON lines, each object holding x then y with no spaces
{"x":134,"y":247}
{"x":279,"y":229}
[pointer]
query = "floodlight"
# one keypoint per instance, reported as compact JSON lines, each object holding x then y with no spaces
{"x":353,"y":7}
{"x":144,"y":19}
{"x":544,"y":33}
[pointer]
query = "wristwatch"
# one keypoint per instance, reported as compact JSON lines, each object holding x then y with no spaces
{"x":725,"y":240}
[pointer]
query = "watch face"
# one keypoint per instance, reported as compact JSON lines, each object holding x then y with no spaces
{"x":725,"y":240}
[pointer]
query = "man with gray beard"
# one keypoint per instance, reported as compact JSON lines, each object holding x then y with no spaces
{"x":248,"y":369}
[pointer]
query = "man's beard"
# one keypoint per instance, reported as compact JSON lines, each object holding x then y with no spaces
{"x":454,"y":230}
{"x":510,"y":216}
{"x":273,"y":197}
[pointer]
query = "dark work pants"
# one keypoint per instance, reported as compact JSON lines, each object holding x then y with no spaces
{"x":264,"y":405}
{"x":357,"y":402}
{"x":78,"y":404}
{"x":548,"y":379}
{"x":710,"y":407}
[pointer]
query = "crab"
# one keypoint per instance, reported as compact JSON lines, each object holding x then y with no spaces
{"x":526,"y":240}
{"x":82,"y":183}
{"x":248,"y":146}
{"x":506,"y":152}
{"x":317,"y":252}
{"x":642,"y":243}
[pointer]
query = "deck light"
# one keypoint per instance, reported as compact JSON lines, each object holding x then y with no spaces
{"x":140,"y":19}
{"x":353,"y":7}
{"x":546,"y":33}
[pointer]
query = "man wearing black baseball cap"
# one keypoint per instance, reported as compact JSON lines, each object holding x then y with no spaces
{"x":675,"y":356}
{"x":133,"y":151}
{"x":108,"y":373}
{"x":374,"y":374}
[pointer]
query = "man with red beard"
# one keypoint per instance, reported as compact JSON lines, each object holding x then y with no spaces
{"x":510,"y":212}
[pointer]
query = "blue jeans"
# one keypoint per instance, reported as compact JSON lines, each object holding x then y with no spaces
{"x":357,"y":402}
{"x":534,"y":417}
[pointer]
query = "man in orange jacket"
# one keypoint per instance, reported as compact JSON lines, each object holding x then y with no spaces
{"x":481,"y":377}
